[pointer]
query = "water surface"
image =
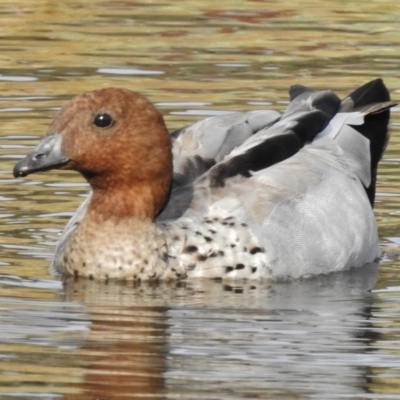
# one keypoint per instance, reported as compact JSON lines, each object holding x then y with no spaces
{"x":329,"y":337}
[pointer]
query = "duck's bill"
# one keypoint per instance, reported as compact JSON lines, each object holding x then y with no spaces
{"x":47,"y":155}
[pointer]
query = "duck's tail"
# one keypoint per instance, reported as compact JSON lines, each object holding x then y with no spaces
{"x":373,"y":101}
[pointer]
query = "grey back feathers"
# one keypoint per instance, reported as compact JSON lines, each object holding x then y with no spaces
{"x":225,"y":146}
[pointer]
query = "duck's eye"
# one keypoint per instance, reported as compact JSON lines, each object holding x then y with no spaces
{"x":103,"y":120}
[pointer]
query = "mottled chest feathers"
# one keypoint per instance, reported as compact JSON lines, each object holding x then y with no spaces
{"x":131,"y":250}
{"x":218,"y":248}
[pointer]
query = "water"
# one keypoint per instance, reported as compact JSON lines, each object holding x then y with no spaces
{"x":326,"y":338}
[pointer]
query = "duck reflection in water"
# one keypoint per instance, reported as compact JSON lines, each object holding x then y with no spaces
{"x":150,"y":340}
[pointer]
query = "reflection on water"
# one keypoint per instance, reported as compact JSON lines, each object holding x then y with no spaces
{"x":321,"y":338}
{"x":205,"y":338}
{"x":202,"y":339}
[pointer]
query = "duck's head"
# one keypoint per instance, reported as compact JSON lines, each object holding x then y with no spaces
{"x":114,"y":137}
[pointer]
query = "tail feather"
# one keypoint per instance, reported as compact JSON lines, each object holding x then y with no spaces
{"x":373,"y":100}
{"x":372,"y":92}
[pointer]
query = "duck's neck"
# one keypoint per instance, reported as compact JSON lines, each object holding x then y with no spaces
{"x":133,"y":185}
{"x":134,"y":200}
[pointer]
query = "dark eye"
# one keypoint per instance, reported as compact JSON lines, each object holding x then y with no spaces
{"x":103,"y":120}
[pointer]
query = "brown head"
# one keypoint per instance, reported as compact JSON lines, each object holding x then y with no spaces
{"x":118,"y":141}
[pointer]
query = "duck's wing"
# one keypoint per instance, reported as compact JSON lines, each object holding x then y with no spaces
{"x":198,"y":147}
{"x":238,"y":143}
{"x":358,"y":125}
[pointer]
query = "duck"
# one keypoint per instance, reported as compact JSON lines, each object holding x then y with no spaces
{"x":243,"y":195}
